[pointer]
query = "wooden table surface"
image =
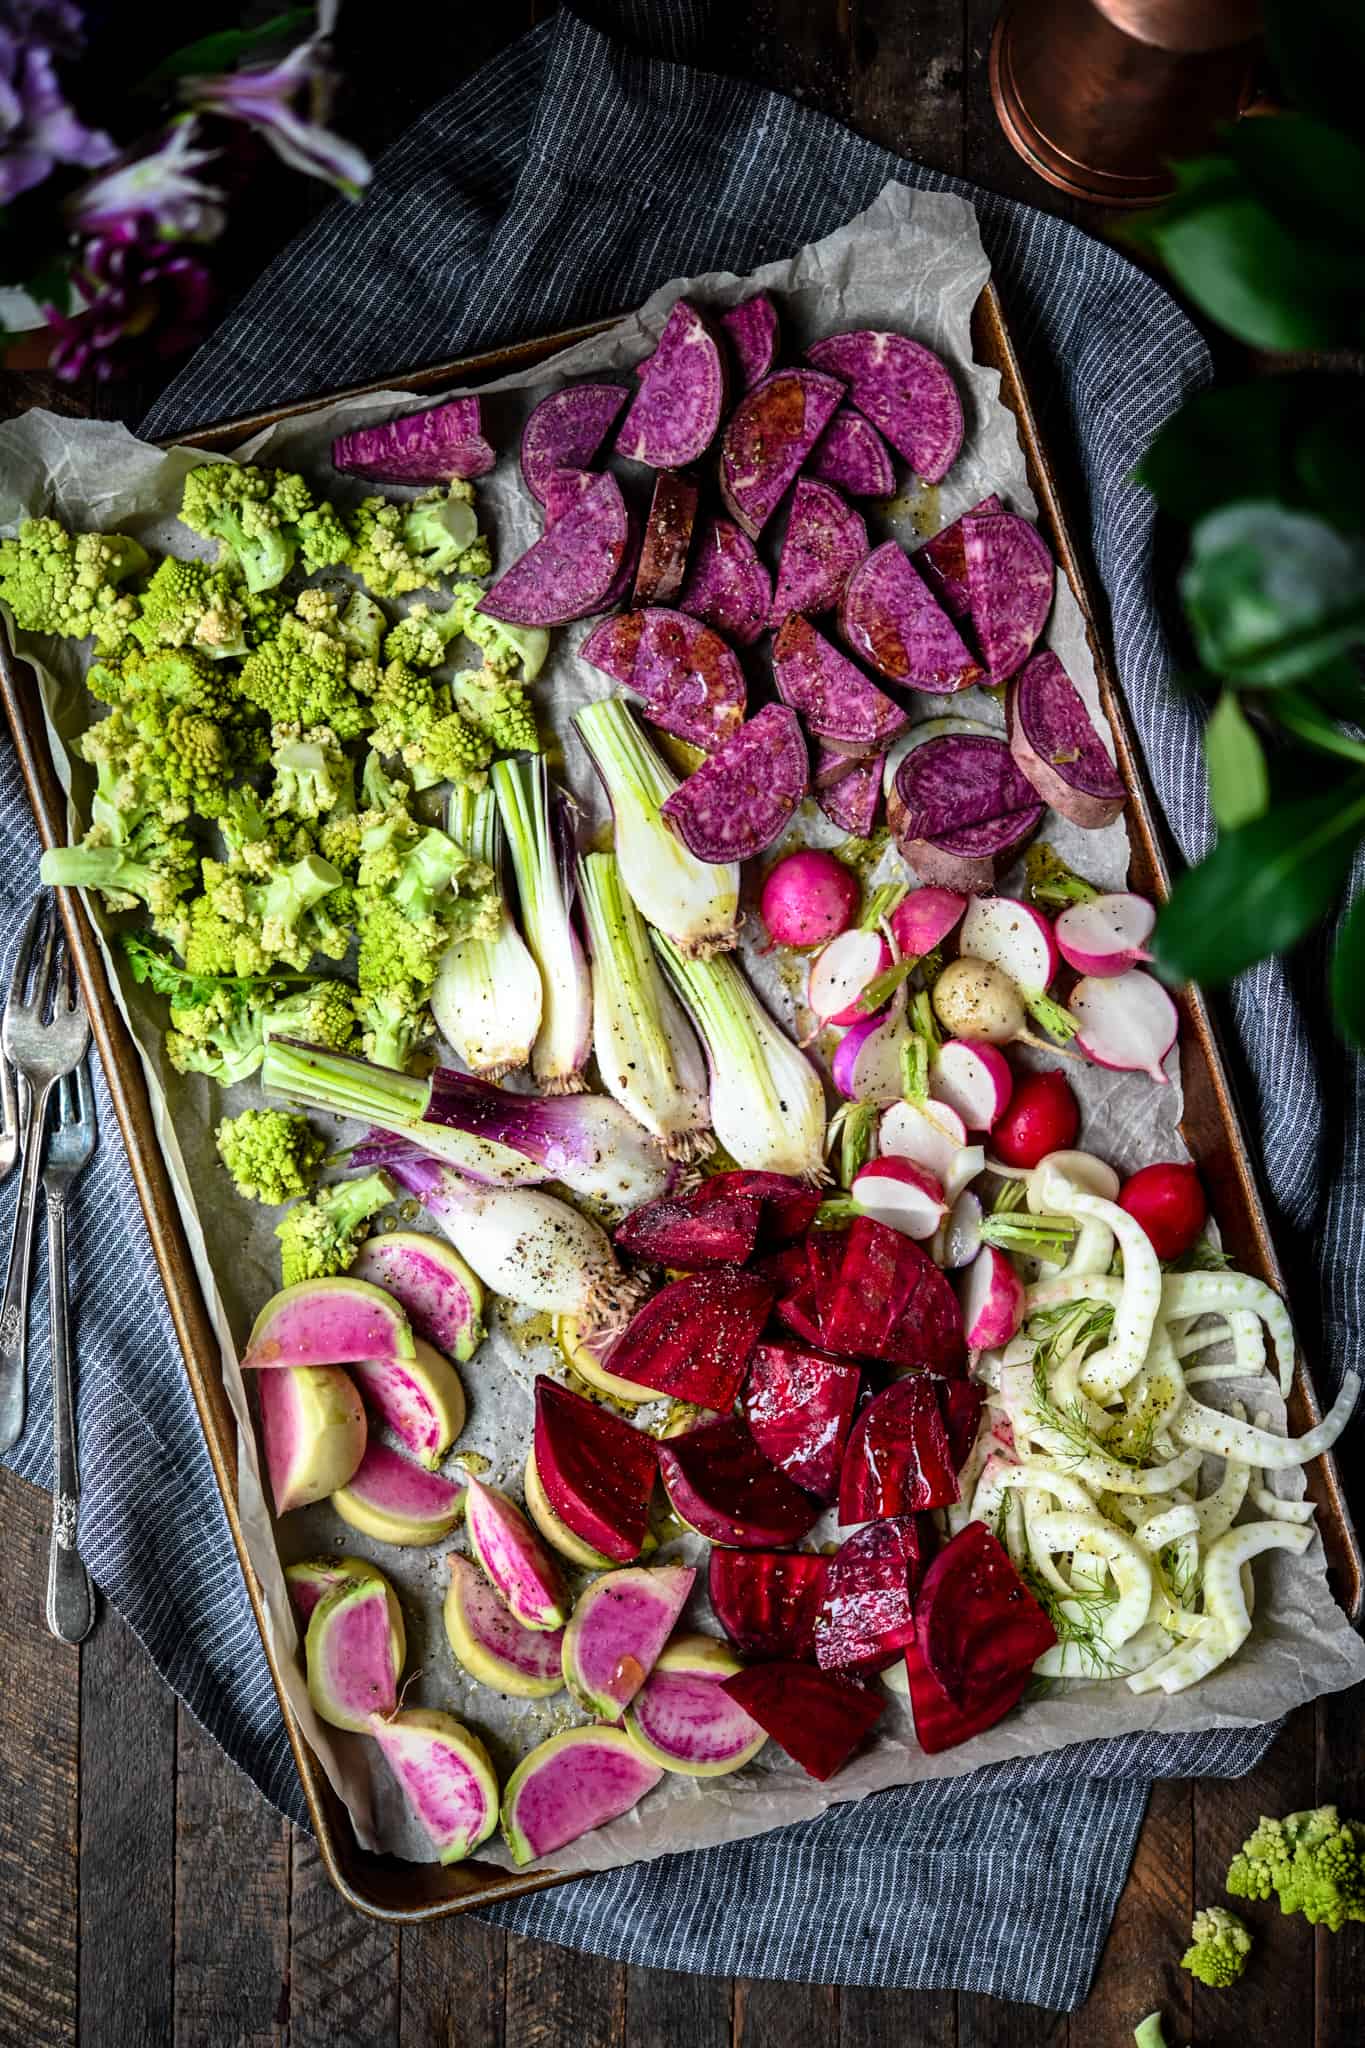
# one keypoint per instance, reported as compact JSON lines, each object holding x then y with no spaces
{"x":147,"y":1893}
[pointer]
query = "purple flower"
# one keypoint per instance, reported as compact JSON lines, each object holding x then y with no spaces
{"x":38,"y":129}
{"x":140,"y":296}
{"x":154,"y":194}
{"x":266,"y":96}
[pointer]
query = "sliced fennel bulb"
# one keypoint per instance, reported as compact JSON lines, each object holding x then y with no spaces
{"x":646,"y":1051}
{"x":696,"y":902}
{"x":767,"y":1104}
{"x":487,"y":999}
{"x":542,"y":865}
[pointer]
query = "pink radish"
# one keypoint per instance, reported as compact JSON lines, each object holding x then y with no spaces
{"x":840,"y":973}
{"x":1107,"y":935}
{"x":959,"y":1237}
{"x":1018,"y":940}
{"x":867,"y":1060}
{"x":992,"y":1300}
{"x":1167,"y":1199}
{"x":973,"y":1078}
{"x":932,"y":1134}
{"x":808,"y":898}
{"x":1127,"y":1021}
{"x":924,"y":919}
{"x":899,"y":1193}
{"x":1043,"y":1117}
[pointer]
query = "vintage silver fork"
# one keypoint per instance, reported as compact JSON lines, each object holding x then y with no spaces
{"x":9,"y":1119}
{"x":44,"y":1035}
{"x":71,"y":1142}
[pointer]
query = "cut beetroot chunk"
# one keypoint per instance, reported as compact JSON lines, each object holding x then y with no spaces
{"x":824,"y":543}
{"x":1058,"y":749}
{"x":799,"y":1407}
{"x":693,"y":1339}
{"x":961,"y":1402}
{"x":797,"y":1312}
{"x":852,"y":455}
{"x":824,"y":1262}
{"x":727,"y":586}
{"x":1009,"y":588}
{"x":836,"y":700}
{"x":942,"y":561}
{"x":883,"y":1300}
{"x":751,"y":330}
{"x":719,"y":1483}
{"x":431,"y":447}
{"x":686,"y":677}
{"x":867,"y":1617}
{"x":680,"y":397}
{"x":891,"y":619}
{"x":566,"y":430}
{"x":770,"y":435}
{"x":853,"y":801}
{"x":686,"y":1232}
{"x":817,"y":1718}
{"x":977,"y":1626}
{"x":767,"y":1600}
{"x":570,"y":571}
{"x":906,"y":392}
{"x":939,"y":1724}
{"x":929,"y":1336}
{"x":747,"y":794}
{"x":789,"y":1206}
{"x":667,"y":540}
{"x":597,"y":1471}
{"x":898,"y":1461}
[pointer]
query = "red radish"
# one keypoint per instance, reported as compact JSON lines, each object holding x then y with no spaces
{"x":1107,"y":935}
{"x":901,"y":1194}
{"x":992,"y":1300}
{"x":974,"y":1079}
{"x":924,"y":919}
{"x":842,"y":971}
{"x":1043,"y":1116}
{"x":1168,"y":1201}
{"x":809,"y":898}
{"x":932,"y":1134}
{"x":970,"y":1161}
{"x":1018,"y":939}
{"x":867,"y":1060}
{"x":959,"y":1240}
{"x":1127,"y":1021}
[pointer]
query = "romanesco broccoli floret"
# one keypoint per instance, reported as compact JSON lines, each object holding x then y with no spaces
{"x":500,"y":710}
{"x":422,"y":637}
{"x":1219,"y":1947}
{"x":152,"y":864}
{"x":321,"y":1237}
{"x":400,"y":548}
{"x":68,"y":583}
{"x":312,"y":775}
{"x":393,"y":1023}
{"x":504,"y":648}
{"x":220,"y":1038}
{"x":1314,"y":1863}
{"x":306,"y":676}
{"x":191,"y":604}
{"x":418,"y":893}
{"x":414,"y":718}
{"x":322,"y":1013}
{"x":265,"y":519}
{"x":271,"y":1154}
{"x":238,"y":926}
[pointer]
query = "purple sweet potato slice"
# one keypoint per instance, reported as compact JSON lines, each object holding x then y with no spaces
{"x":597,"y":1471}
{"x":867,"y":1616}
{"x":851,"y":803}
{"x":566,"y":430}
{"x":1054,"y":743}
{"x":770,"y":434}
{"x":977,"y":1626}
{"x":834,"y":698}
{"x":751,"y":330}
{"x":767,"y":1600}
{"x":727,"y":586}
{"x":667,"y":540}
{"x":961,"y":798}
{"x":719,"y":1483}
{"x":833,"y":764}
{"x":898,"y":1461}
{"x":904,"y":389}
{"x":686,"y":1233}
{"x":693,"y":1338}
{"x":563,"y":490}
{"x":824,"y":543}
{"x":1009,"y":588}
{"x":942,"y":561}
{"x":889,"y":617}
{"x":789,"y":1205}
{"x":939,"y":1724}
{"x":431,"y":447}
{"x":799,"y":1407}
{"x":688,"y":679}
{"x":817,"y":1718}
{"x":744,"y":797}
{"x":569,"y":572}
{"x":961,"y":1402}
{"x":679,"y":400}
{"x":852,"y":455}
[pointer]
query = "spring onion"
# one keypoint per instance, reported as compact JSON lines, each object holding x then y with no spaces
{"x":487,"y":998}
{"x":538,"y":841}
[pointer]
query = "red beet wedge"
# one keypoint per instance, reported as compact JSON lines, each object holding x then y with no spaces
{"x":929,"y":1335}
{"x":694,"y":1337}
{"x":767,"y":1600}
{"x":684,"y":1232}
{"x":977,"y":1625}
{"x":867,"y":1616}
{"x":799,"y":1406}
{"x":788,"y":1204}
{"x":796,"y":1312}
{"x":888,"y":1300}
{"x":722,"y":1486}
{"x":961,"y":1402}
{"x":898,"y":1461}
{"x":597,"y":1471}
{"x":817,"y":1718}
{"x":938,"y":1723}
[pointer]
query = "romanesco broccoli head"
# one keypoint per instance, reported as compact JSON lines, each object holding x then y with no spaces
{"x":502,"y":711}
{"x":271,"y":1154}
{"x":68,"y":583}
{"x":265,"y":519}
{"x":303,"y":677}
{"x":322,"y":1237}
{"x":190,"y":604}
{"x":1314,"y":1863}
{"x":422,"y":637}
{"x":323,"y":1013}
{"x":220,"y":1038}
{"x":1219,"y":1947}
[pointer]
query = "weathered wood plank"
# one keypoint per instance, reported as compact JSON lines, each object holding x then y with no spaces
{"x":343,"y":1968}
{"x":665,"y":2008}
{"x":897,"y":2019}
{"x":127,"y":1869}
{"x":771,"y":2015}
{"x":1339,"y":1965}
{"x":452,"y":1985}
{"x":555,"y":1997}
{"x":789,"y":47}
{"x":990,"y":2023}
{"x":909,"y":78}
{"x":39,"y":1761}
{"x":231,"y":1905}
{"x":1139,"y":1971}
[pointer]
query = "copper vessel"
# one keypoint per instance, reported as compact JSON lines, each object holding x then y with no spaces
{"x":1098,"y":96}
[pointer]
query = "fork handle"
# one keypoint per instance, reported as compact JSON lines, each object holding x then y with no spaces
{"x":14,"y":1305}
{"x":70,"y":1595}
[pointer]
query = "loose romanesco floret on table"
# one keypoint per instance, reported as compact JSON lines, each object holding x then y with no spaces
{"x":272,"y":1154}
{"x":322,"y":1237}
{"x":192,"y":604}
{"x":505,"y":649}
{"x":1313,"y":1862}
{"x":1219,"y":1946}
{"x":306,"y":675}
{"x":68,"y":583}
{"x":501,"y":711}
{"x":265,"y":519}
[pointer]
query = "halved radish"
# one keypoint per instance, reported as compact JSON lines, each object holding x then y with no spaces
{"x":931,"y":1133}
{"x":992,"y":1300}
{"x":842,"y":970}
{"x":682,"y":1720}
{"x":924,"y":918}
{"x":972,"y":1078}
{"x":1127,"y":1021}
{"x":1018,"y":939}
{"x":898,"y":1192}
{"x":1107,"y":935}
{"x":958,"y":1240}
{"x":867,"y":1063}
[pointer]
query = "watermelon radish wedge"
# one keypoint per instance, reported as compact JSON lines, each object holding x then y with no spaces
{"x":429,"y":1280}
{"x":721,"y":1485}
{"x":570,"y":1784}
{"x":491,"y":1644}
{"x":898,"y":1461}
{"x":617,"y":1631}
{"x":682,"y":1720}
{"x":446,"y":1774}
{"x":597,"y":1472}
{"x":692,"y":1340}
{"x":420,"y":1399}
{"x":977,"y":1626}
{"x":818,"y":1718}
{"x":767,"y":1601}
{"x":353,"y":1653}
{"x":396,"y":1501}
{"x":687,"y":1232}
{"x":939,"y":1724}
{"x":328,"y":1322}
{"x":312,"y":1431}
{"x":513,"y":1558}
{"x":868,"y":1614}
{"x":313,"y":1578}
{"x":799,"y":1407}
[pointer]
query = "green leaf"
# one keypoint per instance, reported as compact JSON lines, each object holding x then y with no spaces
{"x":1272,"y":594}
{"x":226,"y":48}
{"x":1233,"y":443}
{"x":1239,"y":787}
{"x":1311,"y":176}
{"x":1319,"y":54}
{"x":1348,"y":974}
{"x":1330,"y":460}
{"x":1298,"y":714}
{"x":1263,"y":886}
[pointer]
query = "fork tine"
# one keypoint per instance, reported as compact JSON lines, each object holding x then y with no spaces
{"x":45,"y":973}
{"x":85,"y":1099}
{"x":23,"y":957}
{"x":69,"y":987}
{"x":66,"y":1101}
